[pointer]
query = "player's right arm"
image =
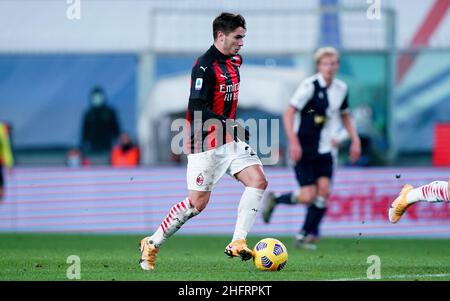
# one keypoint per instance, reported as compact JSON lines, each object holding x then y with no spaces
{"x":297,"y":102}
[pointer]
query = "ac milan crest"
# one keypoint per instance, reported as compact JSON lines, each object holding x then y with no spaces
{"x":200,"y":180}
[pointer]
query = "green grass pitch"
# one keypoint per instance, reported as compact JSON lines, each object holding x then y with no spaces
{"x":115,"y":257}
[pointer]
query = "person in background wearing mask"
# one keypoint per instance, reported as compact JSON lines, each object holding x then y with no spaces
{"x":76,"y":159}
{"x":125,"y":153}
{"x":100,"y":126}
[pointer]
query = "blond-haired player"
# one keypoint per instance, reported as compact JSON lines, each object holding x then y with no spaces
{"x":320,"y":103}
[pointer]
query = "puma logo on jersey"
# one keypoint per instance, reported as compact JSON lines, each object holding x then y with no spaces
{"x":203,"y":68}
{"x":224,"y":76}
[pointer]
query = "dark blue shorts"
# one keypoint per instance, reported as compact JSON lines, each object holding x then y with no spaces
{"x":310,"y":168}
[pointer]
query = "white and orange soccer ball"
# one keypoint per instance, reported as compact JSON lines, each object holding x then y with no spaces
{"x":270,"y":254}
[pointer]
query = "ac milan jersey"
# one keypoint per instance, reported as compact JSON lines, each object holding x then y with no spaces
{"x":214,"y":93}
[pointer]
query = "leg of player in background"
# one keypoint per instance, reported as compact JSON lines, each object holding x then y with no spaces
{"x":323,"y":171}
{"x":303,"y":238}
{"x":318,"y":207}
{"x":304,"y":195}
{"x":307,"y":199}
{"x":437,"y":191}
{"x":178,"y":215}
{"x":255,"y":183}
{"x":307,"y":194}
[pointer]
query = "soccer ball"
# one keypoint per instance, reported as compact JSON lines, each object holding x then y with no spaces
{"x":270,"y":254}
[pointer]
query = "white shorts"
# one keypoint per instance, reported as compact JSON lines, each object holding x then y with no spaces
{"x":206,"y":168}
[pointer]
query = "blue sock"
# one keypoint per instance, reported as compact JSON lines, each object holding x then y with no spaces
{"x":320,"y":213}
{"x":309,"y":219}
{"x":285,"y":199}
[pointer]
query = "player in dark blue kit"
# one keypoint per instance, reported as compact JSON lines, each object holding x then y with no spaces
{"x":321,"y":104}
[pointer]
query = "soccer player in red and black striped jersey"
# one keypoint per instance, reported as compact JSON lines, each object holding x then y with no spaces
{"x":214,"y":96}
{"x":215,"y":148}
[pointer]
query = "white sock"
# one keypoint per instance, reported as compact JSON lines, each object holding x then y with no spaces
{"x":320,"y":202}
{"x":247,"y":211}
{"x":177,"y":216}
{"x":436,"y":191}
{"x":294,"y":196}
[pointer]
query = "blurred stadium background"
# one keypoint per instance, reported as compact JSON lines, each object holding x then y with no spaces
{"x":397,"y":68}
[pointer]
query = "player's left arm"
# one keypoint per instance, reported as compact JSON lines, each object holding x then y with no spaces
{"x":347,"y":121}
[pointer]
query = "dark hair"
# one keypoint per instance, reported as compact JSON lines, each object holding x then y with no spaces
{"x":226,"y":23}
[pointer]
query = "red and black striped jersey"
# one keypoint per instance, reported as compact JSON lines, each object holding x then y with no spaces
{"x":213,"y":93}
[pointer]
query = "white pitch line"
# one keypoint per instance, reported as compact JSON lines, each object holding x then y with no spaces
{"x":393,"y":277}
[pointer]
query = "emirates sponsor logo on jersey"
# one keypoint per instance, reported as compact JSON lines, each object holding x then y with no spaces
{"x":228,"y":88}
